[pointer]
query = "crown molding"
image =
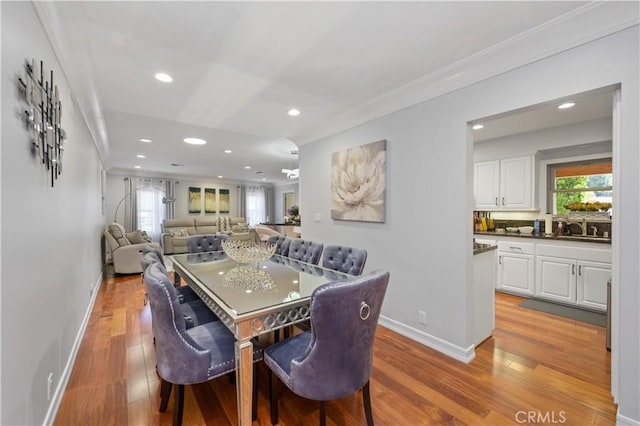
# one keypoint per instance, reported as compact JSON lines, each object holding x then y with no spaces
{"x":585,"y":24}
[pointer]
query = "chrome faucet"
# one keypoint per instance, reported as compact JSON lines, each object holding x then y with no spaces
{"x":582,"y":225}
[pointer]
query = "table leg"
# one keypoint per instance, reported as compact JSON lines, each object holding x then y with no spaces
{"x":244,"y":380}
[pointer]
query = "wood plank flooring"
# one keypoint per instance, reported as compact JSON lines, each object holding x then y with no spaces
{"x":536,"y":369}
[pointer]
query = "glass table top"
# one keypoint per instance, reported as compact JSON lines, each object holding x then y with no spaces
{"x":245,"y":288}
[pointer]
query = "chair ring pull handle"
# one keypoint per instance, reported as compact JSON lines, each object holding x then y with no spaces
{"x":365,"y":310}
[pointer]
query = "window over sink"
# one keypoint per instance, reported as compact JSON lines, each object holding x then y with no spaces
{"x":586,"y":184}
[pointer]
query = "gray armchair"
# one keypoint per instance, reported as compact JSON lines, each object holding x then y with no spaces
{"x":184,"y":356}
{"x":305,"y":251}
{"x":344,"y":259}
{"x":125,"y":256}
{"x":334,"y":359}
{"x":264,"y":232}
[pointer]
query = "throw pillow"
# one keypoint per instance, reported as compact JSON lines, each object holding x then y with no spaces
{"x":136,"y":237}
{"x":240,"y":227}
{"x":116,"y":233}
{"x":145,"y":236}
{"x":181,"y":233}
{"x":224,"y":225}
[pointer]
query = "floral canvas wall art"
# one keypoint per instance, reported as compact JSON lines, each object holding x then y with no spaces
{"x":358,"y":183}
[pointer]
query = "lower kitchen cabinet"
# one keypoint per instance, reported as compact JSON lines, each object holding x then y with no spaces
{"x":556,"y":278}
{"x":573,"y":280}
{"x":591,"y":286}
{"x":515,"y":268}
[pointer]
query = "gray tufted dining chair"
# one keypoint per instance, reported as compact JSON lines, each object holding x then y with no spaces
{"x":305,"y":251}
{"x":187,"y":356}
{"x":185,"y":293}
{"x":205,"y":242}
{"x":335,"y":358}
{"x":194,"y":310}
{"x":344,"y":259}
{"x":282,"y":244}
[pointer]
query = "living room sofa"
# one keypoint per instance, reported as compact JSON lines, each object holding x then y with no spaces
{"x":176,"y":231}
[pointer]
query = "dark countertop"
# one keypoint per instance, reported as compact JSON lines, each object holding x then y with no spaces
{"x":281,"y":223}
{"x":584,"y":239}
{"x":481,"y":248}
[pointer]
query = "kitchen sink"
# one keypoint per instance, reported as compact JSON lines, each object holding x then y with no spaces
{"x":583,"y":237}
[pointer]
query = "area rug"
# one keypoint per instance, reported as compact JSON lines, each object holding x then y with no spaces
{"x":590,"y":317}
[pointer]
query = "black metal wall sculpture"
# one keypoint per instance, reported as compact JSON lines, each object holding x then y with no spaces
{"x":42,"y":117}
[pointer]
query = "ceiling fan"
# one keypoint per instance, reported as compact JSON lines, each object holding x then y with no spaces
{"x":292,"y":173}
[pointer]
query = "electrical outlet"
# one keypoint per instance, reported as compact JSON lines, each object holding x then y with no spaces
{"x":422,"y":317}
{"x":49,"y":386}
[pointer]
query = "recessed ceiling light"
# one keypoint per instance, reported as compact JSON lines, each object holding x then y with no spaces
{"x":566,"y":105}
{"x":145,"y":140}
{"x":164,"y":77}
{"x":247,"y":167}
{"x":137,"y":167}
{"x":141,"y":156}
{"x":293,"y":112}
{"x":195,"y":141}
{"x":220,"y":177}
{"x":477,"y":126}
{"x":227,"y":151}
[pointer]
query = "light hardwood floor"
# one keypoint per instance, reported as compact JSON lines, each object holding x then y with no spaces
{"x":537,"y":368}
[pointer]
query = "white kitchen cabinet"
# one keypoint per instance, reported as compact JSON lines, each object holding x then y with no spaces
{"x":516,"y":268}
{"x":506,"y":184}
{"x":591,"y":285}
{"x":576,"y":276}
{"x":486,"y":185}
{"x":556,"y":278}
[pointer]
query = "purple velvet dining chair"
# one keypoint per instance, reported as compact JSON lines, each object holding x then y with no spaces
{"x":305,"y":251}
{"x":194,"y":310}
{"x":205,"y":242}
{"x":344,"y":259}
{"x":282,"y":244}
{"x":334,"y":359}
{"x":187,"y":356}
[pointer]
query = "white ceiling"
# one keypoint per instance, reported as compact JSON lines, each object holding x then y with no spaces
{"x":239,"y":66}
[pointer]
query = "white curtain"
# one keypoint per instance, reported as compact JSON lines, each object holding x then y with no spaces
{"x":150,"y":211}
{"x":255,"y":205}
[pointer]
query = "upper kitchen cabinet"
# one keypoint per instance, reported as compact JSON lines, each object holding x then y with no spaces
{"x":505,"y":184}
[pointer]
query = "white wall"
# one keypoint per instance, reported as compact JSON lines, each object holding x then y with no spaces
{"x":115,"y":193}
{"x":588,"y":132}
{"x":426,"y":240}
{"x":51,"y":256}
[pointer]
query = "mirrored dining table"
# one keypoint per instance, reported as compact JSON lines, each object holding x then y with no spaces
{"x":252,"y":299}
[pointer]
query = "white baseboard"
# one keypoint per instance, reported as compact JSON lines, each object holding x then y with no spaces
{"x":56,"y":399}
{"x":625,"y":421}
{"x":465,"y":355}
